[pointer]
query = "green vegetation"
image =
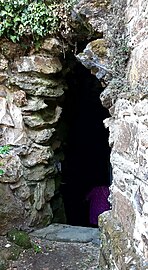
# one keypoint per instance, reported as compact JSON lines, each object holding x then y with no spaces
{"x":37,"y":248}
{"x":20,"y":238}
{"x":3,"y":150}
{"x":34,"y":20}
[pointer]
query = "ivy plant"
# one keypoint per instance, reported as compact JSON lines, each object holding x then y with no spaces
{"x":35,"y":19}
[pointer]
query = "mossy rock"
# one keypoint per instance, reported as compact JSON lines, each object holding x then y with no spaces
{"x":3,"y":264}
{"x":20,"y":238}
{"x":99,"y":47}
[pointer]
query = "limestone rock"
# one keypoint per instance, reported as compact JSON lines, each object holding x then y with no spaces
{"x":113,"y":236}
{"x":34,"y":104}
{"x":38,"y":120}
{"x":108,"y":97}
{"x":3,"y":63}
{"x":37,"y":86}
{"x":21,"y":189}
{"x":138,"y":65}
{"x":41,"y":218}
{"x":11,"y":117}
{"x":37,"y":154}
{"x":3,"y":76}
{"x":13,"y":136}
{"x":141,"y":108}
{"x":40,"y":64}
{"x":5,"y":117}
{"x":11,"y":210}
{"x":38,"y":173}
{"x":12,"y":167}
{"x":39,"y":198}
{"x":52,"y":45}
{"x":95,"y":13}
{"x":49,"y":189}
{"x":10,"y":49}
{"x":34,"y":120}
{"x":19,"y":98}
{"x":40,"y":136}
{"x":47,"y":92}
{"x":94,"y":58}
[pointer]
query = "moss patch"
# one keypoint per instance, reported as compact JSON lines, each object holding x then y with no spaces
{"x":20,"y":238}
{"x":99,"y":47}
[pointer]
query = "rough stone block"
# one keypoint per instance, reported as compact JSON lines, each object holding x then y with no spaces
{"x":11,"y":210}
{"x":40,"y":64}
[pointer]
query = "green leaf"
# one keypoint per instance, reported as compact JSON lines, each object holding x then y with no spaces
{"x":4,"y":149}
{"x":13,"y":38}
{"x":1,"y":172}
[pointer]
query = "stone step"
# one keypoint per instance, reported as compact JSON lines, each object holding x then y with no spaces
{"x":68,"y":233}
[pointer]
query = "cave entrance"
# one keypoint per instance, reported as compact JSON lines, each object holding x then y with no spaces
{"x":86,"y":151}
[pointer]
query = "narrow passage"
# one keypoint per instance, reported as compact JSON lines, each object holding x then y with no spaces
{"x":86,"y":165}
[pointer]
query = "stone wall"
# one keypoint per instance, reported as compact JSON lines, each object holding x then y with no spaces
{"x":124,"y":230}
{"x":29,"y":112}
{"x":30,"y":88}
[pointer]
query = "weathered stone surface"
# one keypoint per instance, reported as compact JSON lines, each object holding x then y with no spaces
{"x":49,"y":189}
{"x":52,"y":45}
{"x":138,"y":65}
{"x":124,"y":233}
{"x":41,"y":64}
{"x":124,"y":211}
{"x":37,"y":154}
{"x":11,"y":119}
{"x":3,"y":63}
{"x":39,"y":198}
{"x":41,"y":136}
{"x":19,"y":98}
{"x":3,"y":77}
{"x":5,"y":117}
{"x":38,"y":120}
{"x":41,"y":218}
{"x":124,"y":229}
{"x":38,"y":86}
{"x":47,"y":92}
{"x":21,"y":189}
{"x":117,"y":249}
{"x":34,"y":104}
{"x":12,"y":167}
{"x":108,"y":97}
{"x":11,"y":212}
{"x":38,"y":172}
{"x":141,"y":108}
{"x":136,"y":21}
{"x":10,"y":49}
{"x":94,"y":58}
{"x":62,"y":232}
{"x":95,"y":13}
{"x":14,"y":136}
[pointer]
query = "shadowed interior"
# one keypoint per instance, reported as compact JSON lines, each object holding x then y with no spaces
{"x":86,"y":162}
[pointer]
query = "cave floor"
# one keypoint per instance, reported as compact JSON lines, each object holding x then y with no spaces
{"x":58,"y":247}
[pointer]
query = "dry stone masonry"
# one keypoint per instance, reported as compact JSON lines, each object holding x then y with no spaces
{"x":29,"y":112}
{"x":125,"y":238}
{"x":30,"y":88}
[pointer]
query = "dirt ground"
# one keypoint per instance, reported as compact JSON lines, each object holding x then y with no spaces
{"x":50,"y":255}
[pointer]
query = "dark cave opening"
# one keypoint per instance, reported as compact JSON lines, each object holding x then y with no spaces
{"x":86,"y":151}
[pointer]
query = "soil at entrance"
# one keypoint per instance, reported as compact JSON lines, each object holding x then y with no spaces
{"x":60,"y":254}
